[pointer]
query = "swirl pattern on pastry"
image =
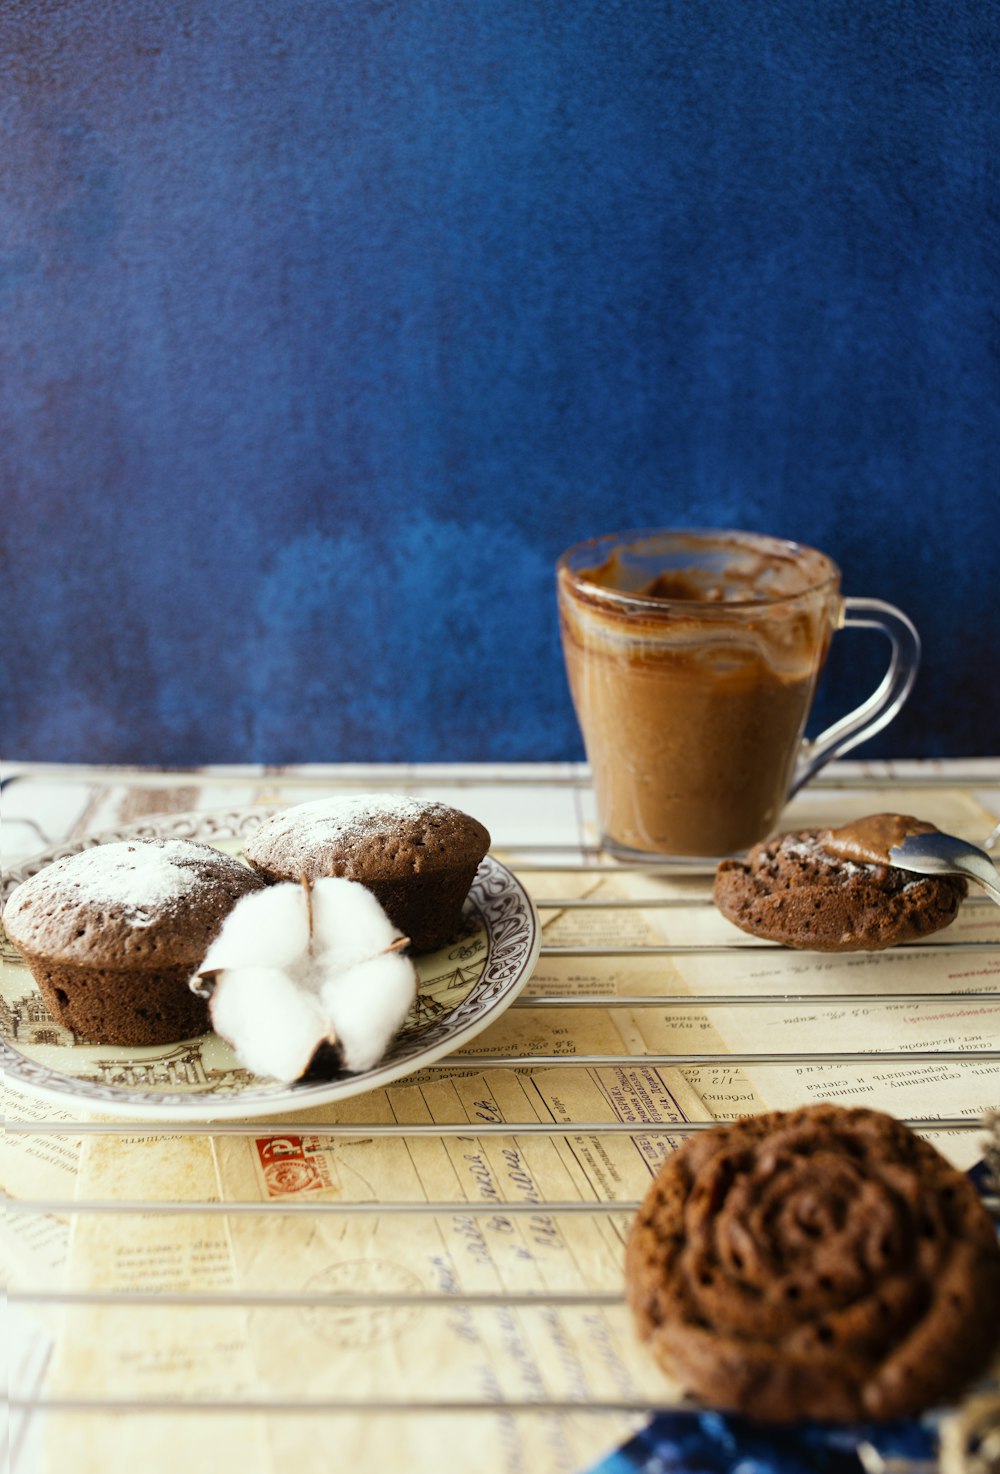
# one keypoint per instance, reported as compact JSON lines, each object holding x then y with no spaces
{"x":821,"y":1263}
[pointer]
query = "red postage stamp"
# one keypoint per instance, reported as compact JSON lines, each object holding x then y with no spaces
{"x":292,"y":1164}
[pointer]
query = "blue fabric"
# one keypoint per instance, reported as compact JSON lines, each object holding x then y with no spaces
{"x":707,"y":1443}
{"x":325,"y":328}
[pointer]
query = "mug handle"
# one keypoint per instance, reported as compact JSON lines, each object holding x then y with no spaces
{"x":884,"y":703}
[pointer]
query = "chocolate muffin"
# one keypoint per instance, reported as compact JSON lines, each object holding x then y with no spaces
{"x":818,"y":1263}
{"x":112,"y":934}
{"x":792,"y":890}
{"x":418,"y":858}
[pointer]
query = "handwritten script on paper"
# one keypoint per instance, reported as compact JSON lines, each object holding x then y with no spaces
{"x":513,"y":1294}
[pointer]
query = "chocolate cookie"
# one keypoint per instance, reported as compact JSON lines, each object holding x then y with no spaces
{"x":112,"y":934}
{"x":817,"y":1263}
{"x":418,"y":858}
{"x":792,"y":890}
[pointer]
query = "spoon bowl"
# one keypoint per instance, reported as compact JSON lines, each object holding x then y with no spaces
{"x":945,"y":854}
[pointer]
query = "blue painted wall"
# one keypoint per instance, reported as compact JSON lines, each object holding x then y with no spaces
{"x":326,"y":326}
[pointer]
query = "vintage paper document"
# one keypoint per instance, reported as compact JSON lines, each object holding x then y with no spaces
{"x":34,"y":1248}
{"x":426,"y":1353}
{"x":419,"y":1343}
{"x":137,"y":1353}
{"x":408,"y":1322}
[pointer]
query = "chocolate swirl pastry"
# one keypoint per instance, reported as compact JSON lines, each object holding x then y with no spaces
{"x":820,"y":1263}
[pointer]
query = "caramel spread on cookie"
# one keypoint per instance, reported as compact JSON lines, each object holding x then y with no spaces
{"x":868,"y":841}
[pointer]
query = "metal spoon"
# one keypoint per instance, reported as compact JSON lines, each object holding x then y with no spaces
{"x":944,"y":854}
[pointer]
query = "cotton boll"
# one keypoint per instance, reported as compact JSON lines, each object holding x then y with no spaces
{"x":292,"y":970}
{"x":349,"y":924}
{"x":273,"y":1024}
{"x":367,"y":1004}
{"x":273,"y":932}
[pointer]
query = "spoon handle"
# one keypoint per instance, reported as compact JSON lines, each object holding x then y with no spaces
{"x":985,"y":873}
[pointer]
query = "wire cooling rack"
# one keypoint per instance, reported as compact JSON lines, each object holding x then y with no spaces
{"x":614,"y":1390}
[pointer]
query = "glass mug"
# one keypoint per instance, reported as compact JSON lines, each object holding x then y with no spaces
{"x":692,"y":660}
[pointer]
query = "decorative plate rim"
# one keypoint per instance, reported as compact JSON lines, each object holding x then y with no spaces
{"x":513,"y":935}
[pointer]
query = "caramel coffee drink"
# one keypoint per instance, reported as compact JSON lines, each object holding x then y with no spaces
{"x":692,"y":659}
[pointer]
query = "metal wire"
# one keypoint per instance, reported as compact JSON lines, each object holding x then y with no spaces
{"x":462,"y":1130}
{"x":529,"y":858}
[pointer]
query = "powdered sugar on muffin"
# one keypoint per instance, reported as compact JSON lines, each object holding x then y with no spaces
{"x":139,"y":878}
{"x":418,"y":856}
{"x":112,"y":933}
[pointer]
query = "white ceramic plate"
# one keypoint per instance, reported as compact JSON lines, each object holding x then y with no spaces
{"x":462,"y":989}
